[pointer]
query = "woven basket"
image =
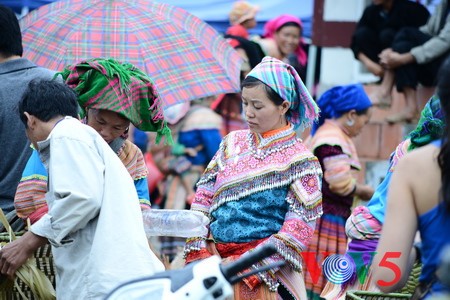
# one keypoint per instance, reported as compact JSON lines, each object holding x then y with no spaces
{"x":44,"y":261}
{"x":413,"y":279}
{"x":363,"y":295}
{"x":405,"y":293}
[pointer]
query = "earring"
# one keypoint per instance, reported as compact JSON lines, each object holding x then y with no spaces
{"x":283,"y":121}
{"x":350,"y":122}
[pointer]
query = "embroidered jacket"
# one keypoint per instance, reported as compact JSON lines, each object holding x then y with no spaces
{"x":338,"y":168}
{"x":247,"y":164}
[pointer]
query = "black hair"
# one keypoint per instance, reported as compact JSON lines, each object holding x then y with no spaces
{"x":443,"y":91}
{"x":10,"y":35}
{"x":250,"y":82}
{"x":290,"y":24}
{"x":362,"y":112}
{"x":47,"y":99}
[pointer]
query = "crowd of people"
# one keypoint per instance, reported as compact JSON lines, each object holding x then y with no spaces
{"x":90,"y":148}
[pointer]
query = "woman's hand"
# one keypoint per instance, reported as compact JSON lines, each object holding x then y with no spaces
{"x":191,"y":152}
{"x":364,"y":191}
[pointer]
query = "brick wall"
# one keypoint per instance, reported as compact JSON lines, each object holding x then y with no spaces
{"x":378,"y":139}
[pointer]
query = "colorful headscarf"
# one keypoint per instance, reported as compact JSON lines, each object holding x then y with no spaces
{"x":339,"y":100}
{"x":118,"y":87}
{"x":286,"y":82}
{"x":271,"y":27}
{"x":431,"y":124}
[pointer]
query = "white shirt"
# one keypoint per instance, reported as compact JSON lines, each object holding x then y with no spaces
{"x":94,"y":223}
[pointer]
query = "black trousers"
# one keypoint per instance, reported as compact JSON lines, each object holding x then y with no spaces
{"x":371,"y":42}
{"x":412,"y":74}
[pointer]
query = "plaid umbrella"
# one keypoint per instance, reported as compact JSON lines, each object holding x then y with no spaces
{"x":184,"y":56}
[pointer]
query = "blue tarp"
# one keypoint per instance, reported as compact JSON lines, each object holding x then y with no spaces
{"x":214,"y":12}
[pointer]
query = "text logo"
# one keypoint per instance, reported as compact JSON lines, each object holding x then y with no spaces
{"x":339,"y":269}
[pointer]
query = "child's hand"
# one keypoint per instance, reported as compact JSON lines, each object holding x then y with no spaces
{"x":191,"y":152}
{"x":190,"y":198}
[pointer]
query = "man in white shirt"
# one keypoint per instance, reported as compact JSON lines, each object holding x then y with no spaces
{"x":94,"y":223}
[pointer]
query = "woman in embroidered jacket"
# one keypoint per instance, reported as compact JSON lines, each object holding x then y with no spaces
{"x":263,"y":185}
{"x":109,"y":110}
{"x":344,"y":112}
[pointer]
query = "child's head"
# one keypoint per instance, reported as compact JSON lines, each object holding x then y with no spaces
{"x":243,"y":13}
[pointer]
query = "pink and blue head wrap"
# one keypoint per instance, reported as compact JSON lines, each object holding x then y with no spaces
{"x":273,"y":25}
{"x":286,"y":82}
{"x":341,"y":99}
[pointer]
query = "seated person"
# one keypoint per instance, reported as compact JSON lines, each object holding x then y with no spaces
{"x":415,"y":58}
{"x":376,"y":29}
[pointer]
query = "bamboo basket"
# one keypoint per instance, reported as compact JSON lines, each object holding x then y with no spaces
{"x":363,"y":295}
{"x":405,"y":293}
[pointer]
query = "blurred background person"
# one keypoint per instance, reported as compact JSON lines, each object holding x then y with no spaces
{"x":242,"y":18}
{"x":197,"y":137}
{"x":229,"y":106}
{"x":376,"y":29}
{"x":414,"y":58}
{"x":283,"y":39}
{"x":15,"y":73}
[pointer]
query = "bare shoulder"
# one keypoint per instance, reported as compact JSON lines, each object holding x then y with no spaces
{"x":418,"y":159}
{"x":420,"y":171}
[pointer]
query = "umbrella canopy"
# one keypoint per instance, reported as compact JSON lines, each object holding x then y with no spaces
{"x":184,"y":56}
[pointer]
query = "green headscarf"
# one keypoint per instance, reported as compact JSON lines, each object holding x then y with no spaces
{"x":431,"y":124}
{"x":119,"y":87}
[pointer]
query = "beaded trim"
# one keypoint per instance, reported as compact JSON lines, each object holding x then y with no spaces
{"x":264,"y":182}
{"x":307,"y":213}
{"x":257,"y":142}
{"x":261,"y":154}
{"x":194,"y":244}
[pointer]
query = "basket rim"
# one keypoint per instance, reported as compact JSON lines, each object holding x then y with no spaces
{"x":368,"y":293}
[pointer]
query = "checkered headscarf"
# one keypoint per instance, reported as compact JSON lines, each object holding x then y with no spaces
{"x":118,"y":87}
{"x":286,"y":82}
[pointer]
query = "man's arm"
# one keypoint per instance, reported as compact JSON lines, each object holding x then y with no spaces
{"x":16,"y":253}
{"x":76,"y":181}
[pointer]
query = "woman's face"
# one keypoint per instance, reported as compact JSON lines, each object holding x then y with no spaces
{"x":110,"y":125}
{"x":359,"y":122}
{"x":288,"y":39}
{"x":261,"y":113}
